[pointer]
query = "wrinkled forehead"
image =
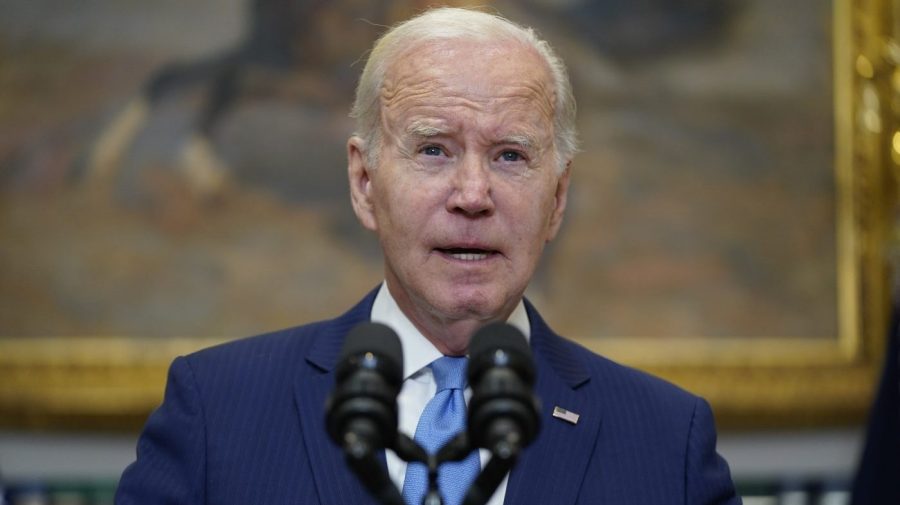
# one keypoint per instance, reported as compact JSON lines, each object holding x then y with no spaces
{"x":480,"y":71}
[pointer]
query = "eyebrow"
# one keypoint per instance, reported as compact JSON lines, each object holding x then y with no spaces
{"x":526,"y":141}
{"x":423,"y":129}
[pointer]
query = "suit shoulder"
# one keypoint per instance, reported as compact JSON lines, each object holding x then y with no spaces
{"x":600,"y":376}
{"x":274,"y":341}
{"x":264,"y":354}
{"x":625,"y":381}
{"x":290,"y":343}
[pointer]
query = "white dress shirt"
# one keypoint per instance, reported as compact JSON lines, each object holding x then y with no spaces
{"x":418,"y":380}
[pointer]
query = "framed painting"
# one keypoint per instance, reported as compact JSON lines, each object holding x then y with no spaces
{"x":730,"y":221}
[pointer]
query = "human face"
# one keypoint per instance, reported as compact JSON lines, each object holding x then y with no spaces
{"x":467,"y":190}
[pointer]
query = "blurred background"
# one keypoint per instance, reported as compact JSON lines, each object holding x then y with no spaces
{"x":176,"y":169}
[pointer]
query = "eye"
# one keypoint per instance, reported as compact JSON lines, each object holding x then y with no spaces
{"x":431,"y":151}
{"x":511,"y":156}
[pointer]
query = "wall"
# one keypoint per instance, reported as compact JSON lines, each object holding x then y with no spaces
{"x":824,"y":454}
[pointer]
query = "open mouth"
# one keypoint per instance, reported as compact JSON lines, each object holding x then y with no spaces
{"x":467,"y":254}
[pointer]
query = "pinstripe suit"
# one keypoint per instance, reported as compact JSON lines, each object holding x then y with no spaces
{"x":243,"y":423}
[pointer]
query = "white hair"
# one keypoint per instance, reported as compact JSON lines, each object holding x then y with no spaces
{"x":449,"y":23}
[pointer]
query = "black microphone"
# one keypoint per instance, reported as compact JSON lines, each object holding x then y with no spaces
{"x":363,"y":407}
{"x":503,"y":411}
{"x":361,"y":413}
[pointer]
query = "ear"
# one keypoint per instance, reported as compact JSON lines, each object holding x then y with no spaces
{"x":360,"y":183}
{"x":559,"y":202}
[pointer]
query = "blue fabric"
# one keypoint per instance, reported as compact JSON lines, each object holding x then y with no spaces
{"x":243,"y":424}
{"x":444,"y":417}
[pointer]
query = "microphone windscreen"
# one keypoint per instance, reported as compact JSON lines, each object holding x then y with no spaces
{"x":368,"y":377}
{"x":500,"y":344}
{"x":378,"y":339}
{"x":496,"y":336}
{"x":503,"y":411}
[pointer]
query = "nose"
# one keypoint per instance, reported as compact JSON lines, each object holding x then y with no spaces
{"x":471,"y":194}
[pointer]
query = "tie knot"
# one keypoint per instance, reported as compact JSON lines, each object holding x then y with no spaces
{"x":449,"y":372}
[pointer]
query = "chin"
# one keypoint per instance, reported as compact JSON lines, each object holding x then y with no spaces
{"x":468,"y":305}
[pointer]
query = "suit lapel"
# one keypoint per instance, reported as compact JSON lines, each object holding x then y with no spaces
{"x":544,"y":473}
{"x":551,"y":470}
{"x":335,"y":483}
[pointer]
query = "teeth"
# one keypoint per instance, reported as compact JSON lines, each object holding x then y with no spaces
{"x":469,"y":256}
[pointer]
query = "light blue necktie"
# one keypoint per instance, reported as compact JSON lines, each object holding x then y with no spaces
{"x":444,"y":416}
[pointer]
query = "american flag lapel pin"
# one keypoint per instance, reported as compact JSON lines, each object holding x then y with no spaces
{"x":565,"y":415}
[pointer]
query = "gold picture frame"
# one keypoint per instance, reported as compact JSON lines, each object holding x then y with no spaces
{"x":114,"y":382}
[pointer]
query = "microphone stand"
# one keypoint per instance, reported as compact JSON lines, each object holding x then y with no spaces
{"x":410,"y":451}
{"x":503,"y":456}
{"x":488,"y":480}
{"x":365,"y":463}
{"x":457,"y":449}
{"x":363,"y":460}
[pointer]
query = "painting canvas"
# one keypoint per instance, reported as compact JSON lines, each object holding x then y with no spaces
{"x":176,"y":171}
{"x":702,"y":202}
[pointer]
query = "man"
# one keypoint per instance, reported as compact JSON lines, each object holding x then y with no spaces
{"x":461,"y":167}
{"x":876,"y":476}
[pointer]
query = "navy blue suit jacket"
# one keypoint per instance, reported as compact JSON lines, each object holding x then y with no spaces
{"x":243,"y":423}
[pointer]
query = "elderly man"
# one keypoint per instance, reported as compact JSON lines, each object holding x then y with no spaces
{"x":460,"y":166}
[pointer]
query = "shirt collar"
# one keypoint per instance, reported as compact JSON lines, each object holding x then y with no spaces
{"x":418,"y":351}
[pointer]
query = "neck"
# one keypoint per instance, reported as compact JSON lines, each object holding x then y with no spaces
{"x":449,"y":335}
